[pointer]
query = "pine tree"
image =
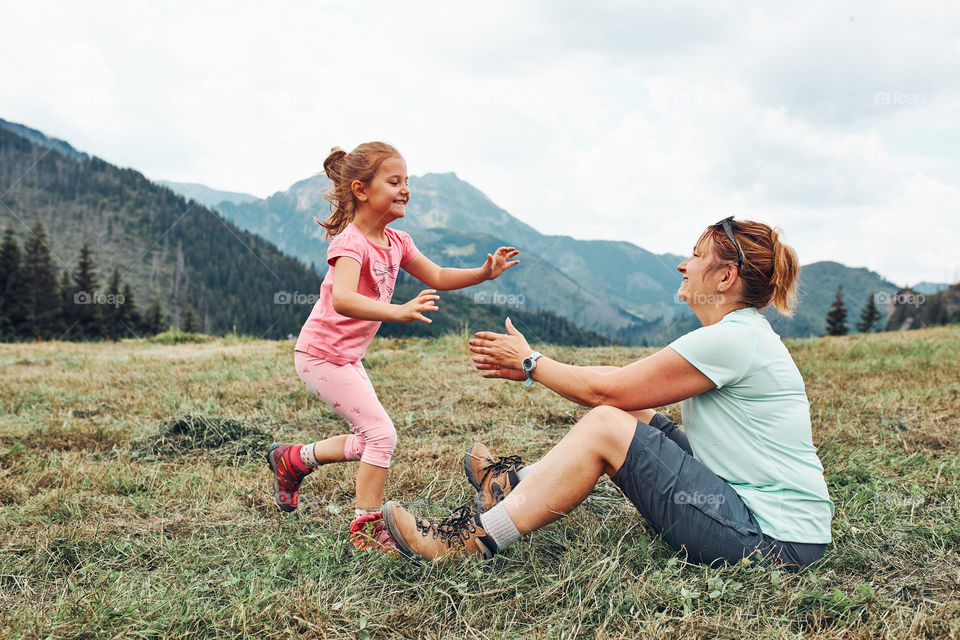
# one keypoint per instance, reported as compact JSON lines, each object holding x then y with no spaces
{"x":11,"y":305}
{"x":86,"y":312}
{"x":188,"y":322}
{"x":153,"y":322}
{"x":869,"y":316}
{"x":837,"y":316}
{"x":66,"y":305}
{"x":130,"y":318}
{"x":39,"y":287}
{"x":112,"y":325}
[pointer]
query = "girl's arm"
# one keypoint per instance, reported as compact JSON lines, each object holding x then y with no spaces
{"x":448,"y":278}
{"x":348,"y":302}
{"x":657,"y":380}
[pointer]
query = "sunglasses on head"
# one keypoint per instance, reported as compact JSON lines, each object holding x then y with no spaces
{"x":726,"y":226}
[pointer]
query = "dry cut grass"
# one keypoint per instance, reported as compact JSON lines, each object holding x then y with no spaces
{"x":113,"y":523}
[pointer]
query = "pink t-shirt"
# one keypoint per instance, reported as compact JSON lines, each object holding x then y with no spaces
{"x":337,"y":338}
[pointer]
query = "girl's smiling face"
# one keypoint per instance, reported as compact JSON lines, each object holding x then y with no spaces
{"x":388,"y":192}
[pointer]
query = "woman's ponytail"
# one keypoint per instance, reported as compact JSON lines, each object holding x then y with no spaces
{"x":786,"y":273}
{"x":770,"y":269}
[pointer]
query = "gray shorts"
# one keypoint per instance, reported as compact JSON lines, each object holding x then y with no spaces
{"x":692,"y":507}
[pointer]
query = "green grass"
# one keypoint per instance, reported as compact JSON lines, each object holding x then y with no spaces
{"x":108,"y":529}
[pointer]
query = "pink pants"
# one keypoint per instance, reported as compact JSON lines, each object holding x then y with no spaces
{"x":348,"y":390}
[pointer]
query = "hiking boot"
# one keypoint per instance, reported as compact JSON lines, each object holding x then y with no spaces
{"x":493,"y":480}
{"x":288,"y":472}
{"x":458,"y":534}
{"x":369,"y":533}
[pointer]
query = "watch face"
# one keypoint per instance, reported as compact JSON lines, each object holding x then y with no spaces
{"x":527,"y":364}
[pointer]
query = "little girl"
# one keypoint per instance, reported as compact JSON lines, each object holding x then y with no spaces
{"x":370,"y":190}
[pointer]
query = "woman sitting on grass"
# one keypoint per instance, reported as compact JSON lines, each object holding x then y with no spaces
{"x":743,"y":477}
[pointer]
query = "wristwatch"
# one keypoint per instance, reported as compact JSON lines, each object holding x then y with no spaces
{"x":529,"y":364}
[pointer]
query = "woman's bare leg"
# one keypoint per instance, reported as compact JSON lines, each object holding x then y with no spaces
{"x":643,"y":415}
{"x":560,"y":481}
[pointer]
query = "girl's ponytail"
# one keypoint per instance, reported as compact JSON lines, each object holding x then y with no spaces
{"x":344,"y":169}
{"x":342,"y":205}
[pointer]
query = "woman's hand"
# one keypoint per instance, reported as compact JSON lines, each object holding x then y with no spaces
{"x":413,"y":310}
{"x":496,"y":371}
{"x":498,"y":262}
{"x":500,"y":355}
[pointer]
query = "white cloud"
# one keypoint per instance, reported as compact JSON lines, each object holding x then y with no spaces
{"x":620,"y":120}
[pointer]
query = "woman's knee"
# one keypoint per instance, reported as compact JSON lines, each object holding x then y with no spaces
{"x":608,"y":431}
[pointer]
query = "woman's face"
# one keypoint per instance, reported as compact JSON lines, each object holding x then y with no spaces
{"x":700,"y":279}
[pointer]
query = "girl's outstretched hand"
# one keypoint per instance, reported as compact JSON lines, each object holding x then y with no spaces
{"x":500,"y":355}
{"x":413,"y":310}
{"x":499,"y":261}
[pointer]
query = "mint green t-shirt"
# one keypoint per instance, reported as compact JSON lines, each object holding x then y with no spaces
{"x":753,"y":429}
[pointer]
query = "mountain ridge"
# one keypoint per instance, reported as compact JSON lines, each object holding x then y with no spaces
{"x":637,"y":286}
{"x":615,"y":287}
{"x":184,"y":255}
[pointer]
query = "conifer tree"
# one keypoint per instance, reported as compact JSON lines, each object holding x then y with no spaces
{"x":130,"y":318}
{"x":189,"y":324}
{"x":837,"y":316}
{"x":39,"y":288}
{"x":86,"y":312}
{"x":66,"y":306}
{"x":11,"y":305}
{"x":153,"y":321}
{"x":869,"y":316}
{"x":112,"y":324}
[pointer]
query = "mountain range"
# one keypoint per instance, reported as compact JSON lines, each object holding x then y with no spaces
{"x":613,"y":289}
{"x":185,"y":256}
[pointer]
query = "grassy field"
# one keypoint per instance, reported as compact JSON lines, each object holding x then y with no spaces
{"x":115,"y":524}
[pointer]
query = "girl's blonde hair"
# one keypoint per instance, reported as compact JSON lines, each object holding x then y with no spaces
{"x":770,"y":268}
{"x":343,"y":168}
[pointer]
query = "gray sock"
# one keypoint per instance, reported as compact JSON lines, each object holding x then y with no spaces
{"x":498,"y":525}
{"x":522,"y":473}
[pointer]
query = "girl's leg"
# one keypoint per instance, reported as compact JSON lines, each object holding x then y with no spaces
{"x":370,"y":481}
{"x":348,"y":389}
{"x":329,"y":450}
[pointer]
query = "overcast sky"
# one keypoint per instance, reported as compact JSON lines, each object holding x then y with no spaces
{"x":837,"y":121}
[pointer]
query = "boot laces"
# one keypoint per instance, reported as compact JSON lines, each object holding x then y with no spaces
{"x":503,"y":464}
{"x":454,"y":529}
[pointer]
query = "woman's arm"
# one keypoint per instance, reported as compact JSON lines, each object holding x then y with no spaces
{"x":448,"y":278}
{"x":657,"y":380}
{"x":348,"y":302}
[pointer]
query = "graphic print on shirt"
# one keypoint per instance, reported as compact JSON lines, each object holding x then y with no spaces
{"x":384,"y":271}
